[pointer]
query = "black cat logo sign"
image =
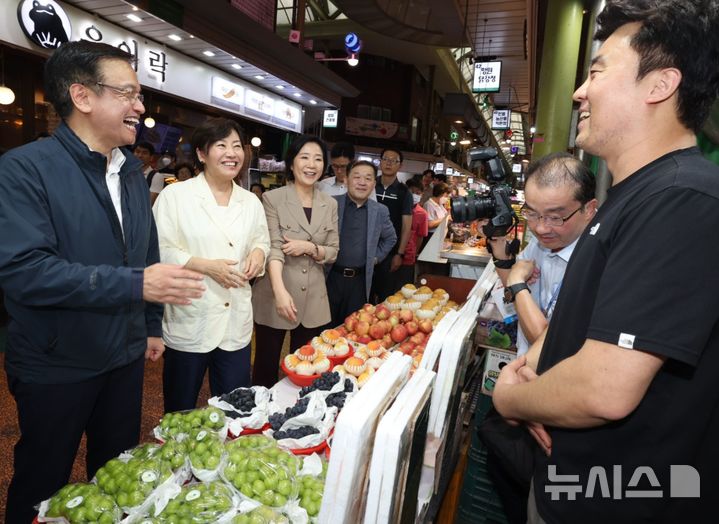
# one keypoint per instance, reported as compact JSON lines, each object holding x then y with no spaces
{"x":44,"y":22}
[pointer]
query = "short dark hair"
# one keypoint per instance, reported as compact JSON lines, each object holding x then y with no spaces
{"x":257,"y":184}
{"x":415,"y":182}
{"x":428,"y":172}
{"x":344,"y":149}
{"x":440,"y":176}
{"x":297,"y":144}
{"x":212,"y":130}
{"x":185,"y":165}
{"x":440,"y":189}
{"x":77,"y":63}
{"x":362,"y":163}
{"x":145,"y":145}
{"x":399,"y":153}
{"x":557,"y":169}
{"x":673,"y":33}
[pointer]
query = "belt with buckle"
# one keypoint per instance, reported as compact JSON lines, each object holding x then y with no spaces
{"x":349,"y":272}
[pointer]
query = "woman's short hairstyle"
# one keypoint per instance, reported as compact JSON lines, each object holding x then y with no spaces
{"x":294,"y":149}
{"x":211,"y":131}
{"x":440,"y":189}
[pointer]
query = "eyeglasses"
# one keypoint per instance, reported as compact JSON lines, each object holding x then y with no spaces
{"x":391,"y":160}
{"x":127,"y":93}
{"x":551,"y":221}
{"x":339,"y":167}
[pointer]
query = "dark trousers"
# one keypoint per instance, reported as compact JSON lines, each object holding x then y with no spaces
{"x":52,"y":419}
{"x":346,"y":294}
{"x":384,"y":281}
{"x":183,"y":373}
{"x":268,"y":348}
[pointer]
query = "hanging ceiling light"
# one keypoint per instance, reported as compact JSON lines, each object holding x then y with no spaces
{"x":149,"y":122}
{"x":7,"y":96}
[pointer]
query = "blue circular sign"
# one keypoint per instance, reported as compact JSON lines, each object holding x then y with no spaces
{"x":352,"y":43}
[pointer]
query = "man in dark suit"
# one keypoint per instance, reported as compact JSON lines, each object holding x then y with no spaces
{"x":366,"y":238}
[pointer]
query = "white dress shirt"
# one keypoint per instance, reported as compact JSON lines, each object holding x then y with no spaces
{"x":112,"y":179}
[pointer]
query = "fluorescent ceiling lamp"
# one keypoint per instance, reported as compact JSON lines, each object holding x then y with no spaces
{"x":134,"y":18}
{"x":174,"y":37}
{"x":259,"y":77}
{"x":313,"y":102}
{"x":236,"y":66}
{"x":208,"y":53}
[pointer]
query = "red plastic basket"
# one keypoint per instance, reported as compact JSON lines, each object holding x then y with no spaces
{"x":308,"y":451}
{"x":299,"y":380}
{"x":336,"y":361}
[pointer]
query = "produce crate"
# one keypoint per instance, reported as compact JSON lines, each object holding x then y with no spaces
{"x":479,"y":502}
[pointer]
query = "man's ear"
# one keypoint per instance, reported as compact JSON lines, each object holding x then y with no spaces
{"x":665,"y":82}
{"x":591,"y":208}
{"x":80,"y":96}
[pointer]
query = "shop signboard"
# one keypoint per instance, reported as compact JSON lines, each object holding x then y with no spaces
{"x":331,"y":116}
{"x":44,"y":24}
{"x":501,"y":118}
{"x":487,"y":76}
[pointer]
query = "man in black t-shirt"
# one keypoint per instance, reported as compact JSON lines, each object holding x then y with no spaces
{"x":389,"y":276}
{"x":624,"y":401}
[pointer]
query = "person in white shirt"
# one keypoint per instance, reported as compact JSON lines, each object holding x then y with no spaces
{"x":436,"y":212}
{"x":213,"y":226}
{"x":559,"y":203}
{"x":144,"y":151}
{"x":341,"y":156}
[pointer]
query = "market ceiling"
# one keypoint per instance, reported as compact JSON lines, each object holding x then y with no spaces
{"x":239,"y":46}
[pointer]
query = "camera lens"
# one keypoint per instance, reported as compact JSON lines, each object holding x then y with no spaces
{"x":466,"y":209}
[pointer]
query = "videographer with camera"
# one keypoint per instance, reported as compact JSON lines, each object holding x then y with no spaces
{"x":559,"y":203}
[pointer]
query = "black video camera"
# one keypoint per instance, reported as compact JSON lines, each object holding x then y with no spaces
{"x":493,"y":204}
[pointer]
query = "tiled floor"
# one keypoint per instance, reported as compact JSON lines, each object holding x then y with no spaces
{"x":151,"y":413}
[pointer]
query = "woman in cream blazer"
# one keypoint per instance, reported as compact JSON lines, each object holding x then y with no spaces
{"x":302,"y":221}
{"x":212,"y":225}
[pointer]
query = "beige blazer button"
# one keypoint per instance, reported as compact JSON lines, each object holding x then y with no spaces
{"x":304,"y":271}
{"x":227,"y":304}
{"x":304,"y":288}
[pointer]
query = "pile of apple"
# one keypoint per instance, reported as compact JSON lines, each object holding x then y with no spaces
{"x":389,"y":327}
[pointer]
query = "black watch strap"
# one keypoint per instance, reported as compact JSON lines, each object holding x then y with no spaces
{"x":503,"y":264}
{"x":510,"y":293}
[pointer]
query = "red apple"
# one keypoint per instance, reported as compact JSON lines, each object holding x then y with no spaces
{"x":352,"y":336}
{"x":350,"y":323}
{"x":364,"y":339}
{"x":382,"y":312}
{"x":394,"y":319}
{"x":406,"y":347}
{"x":362,"y":327}
{"x":425,"y":326}
{"x":373,"y":320}
{"x":412,"y":327}
{"x":369,"y":308}
{"x":387,"y":341}
{"x":418,"y":337}
{"x":406,"y":315}
{"x":377,"y":331}
{"x":398,"y":333}
{"x":342,"y":331}
{"x":364,"y":316}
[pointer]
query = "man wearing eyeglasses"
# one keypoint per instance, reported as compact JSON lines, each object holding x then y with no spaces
{"x":341,"y":156}
{"x":398,"y":199}
{"x":78,"y":266}
{"x":559,"y":203}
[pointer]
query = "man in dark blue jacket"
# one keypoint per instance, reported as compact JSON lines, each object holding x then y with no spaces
{"x":78,"y":266}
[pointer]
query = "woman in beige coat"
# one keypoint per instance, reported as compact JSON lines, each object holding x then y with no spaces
{"x":304,"y":237}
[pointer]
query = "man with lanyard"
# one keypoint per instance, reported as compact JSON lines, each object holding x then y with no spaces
{"x":621,"y":391}
{"x":559,"y":203}
{"x":395,"y":195}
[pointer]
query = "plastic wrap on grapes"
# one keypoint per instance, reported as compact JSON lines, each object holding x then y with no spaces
{"x":305,"y":425}
{"x":79,"y":503}
{"x":143,"y":451}
{"x":135,"y":484}
{"x":177,"y":425}
{"x":175,"y":453}
{"x":207,"y":503}
{"x":206,"y":450}
{"x":261,"y":515}
{"x":262,"y":474}
{"x":246,"y":407}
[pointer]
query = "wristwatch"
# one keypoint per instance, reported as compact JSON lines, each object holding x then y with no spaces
{"x":510,"y":292}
